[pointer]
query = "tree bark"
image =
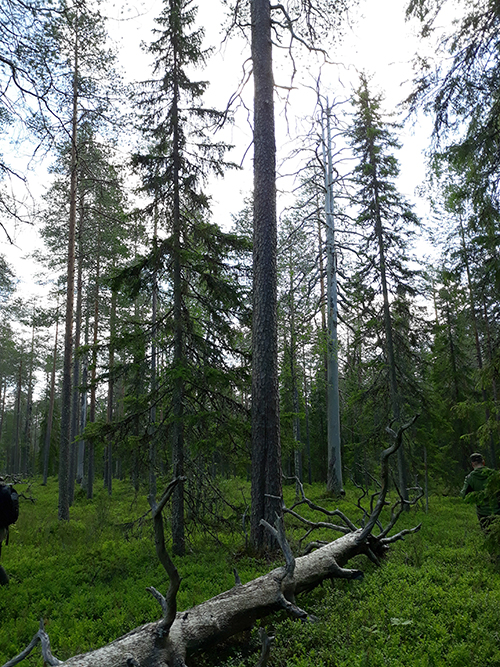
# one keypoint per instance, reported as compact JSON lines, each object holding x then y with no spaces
{"x":63,"y":511}
{"x":334,"y":476}
{"x":237,"y":609}
{"x":28,"y":422}
{"x":76,"y":363}
{"x":108,"y":468}
{"x":50,"y":414}
{"x":93,"y":373}
{"x":178,"y":535}
{"x":16,"y":460}
{"x":266,"y":448}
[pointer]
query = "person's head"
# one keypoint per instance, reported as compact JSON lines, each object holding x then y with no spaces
{"x":476,"y":460}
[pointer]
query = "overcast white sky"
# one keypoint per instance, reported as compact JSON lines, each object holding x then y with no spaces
{"x":377,"y":40}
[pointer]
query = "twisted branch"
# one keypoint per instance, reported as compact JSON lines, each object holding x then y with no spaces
{"x":168,"y":603}
{"x":42,"y":637}
{"x":384,"y":464}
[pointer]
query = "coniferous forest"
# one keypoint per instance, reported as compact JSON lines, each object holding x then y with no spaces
{"x":192,"y":392}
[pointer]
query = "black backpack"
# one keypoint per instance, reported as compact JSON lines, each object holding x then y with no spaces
{"x":9,"y":505}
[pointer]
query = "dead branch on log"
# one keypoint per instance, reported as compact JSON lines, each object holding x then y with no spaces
{"x":266,"y":642}
{"x":168,"y":603}
{"x":42,"y":637}
{"x":317,"y":508}
{"x":384,"y":464}
{"x":398,"y":508}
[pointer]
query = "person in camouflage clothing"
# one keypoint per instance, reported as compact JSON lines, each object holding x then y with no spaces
{"x":475,"y":482}
{"x":4,"y":579}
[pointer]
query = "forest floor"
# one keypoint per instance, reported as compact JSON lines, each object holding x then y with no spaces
{"x":434,"y":601}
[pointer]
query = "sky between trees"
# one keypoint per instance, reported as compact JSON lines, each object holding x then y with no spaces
{"x":377,"y":39}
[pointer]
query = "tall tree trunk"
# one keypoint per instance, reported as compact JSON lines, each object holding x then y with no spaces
{"x":266,"y":487}
{"x":3,"y":395}
{"x":76,"y":362}
{"x":108,"y":477}
{"x":28,"y":422}
{"x":490,"y":354}
{"x":16,"y":459}
{"x":323,"y":296}
{"x":334,"y":476}
{"x":391,"y":360}
{"x":70,"y":290}
{"x":178,"y":537}
{"x":154,"y":334}
{"x":306,"y":409}
{"x":479,"y":355}
{"x":93,"y":373}
{"x":297,"y":453}
{"x":80,"y":463}
{"x":50,"y":414}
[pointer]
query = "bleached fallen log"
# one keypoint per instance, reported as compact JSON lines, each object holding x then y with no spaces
{"x":168,"y":642}
{"x":223,"y":615}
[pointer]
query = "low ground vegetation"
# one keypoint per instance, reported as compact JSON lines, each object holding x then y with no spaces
{"x":433,"y":602}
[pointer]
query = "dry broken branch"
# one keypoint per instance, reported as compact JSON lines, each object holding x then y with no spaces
{"x":168,"y":604}
{"x":42,"y":637}
{"x":384,"y":465}
{"x":266,"y":642}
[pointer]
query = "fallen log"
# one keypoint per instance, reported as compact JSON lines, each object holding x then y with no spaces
{"x":169,"y":641}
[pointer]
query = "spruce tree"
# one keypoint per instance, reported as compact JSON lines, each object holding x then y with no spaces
{"x":192,"y":252}
{"x":388,"y":222}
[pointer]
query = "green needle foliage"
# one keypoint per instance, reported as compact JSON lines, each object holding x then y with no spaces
{"x":190,"y":268}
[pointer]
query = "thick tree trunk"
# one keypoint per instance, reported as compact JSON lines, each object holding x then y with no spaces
{"x":266,"y":448}
{"x":232,"y":611}
{"x":178,"y":534}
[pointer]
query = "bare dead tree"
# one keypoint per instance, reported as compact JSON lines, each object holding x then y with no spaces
{"x":170,"y":640}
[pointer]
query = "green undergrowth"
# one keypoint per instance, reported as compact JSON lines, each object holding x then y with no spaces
{"x":434,"y":601}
